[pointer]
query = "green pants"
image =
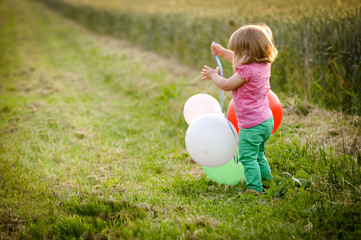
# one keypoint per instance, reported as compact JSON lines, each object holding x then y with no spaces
{"x":252,"y":143}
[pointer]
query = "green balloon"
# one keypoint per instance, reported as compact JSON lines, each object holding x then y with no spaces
{"x":230,"y":173}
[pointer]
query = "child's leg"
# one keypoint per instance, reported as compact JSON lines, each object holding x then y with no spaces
{"x":251,"y":153}
{"x":262,"y":160}
{"x":263,"y":163}
{"x":248,"y":155}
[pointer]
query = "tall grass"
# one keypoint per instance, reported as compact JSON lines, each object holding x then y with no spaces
{"x":319,"y":49}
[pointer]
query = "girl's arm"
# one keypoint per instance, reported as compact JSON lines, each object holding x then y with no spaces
{"x":225,"y":84}
{"x":221,"y":51}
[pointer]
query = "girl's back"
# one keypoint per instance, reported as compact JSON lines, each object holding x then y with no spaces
{"x":251,"y":102}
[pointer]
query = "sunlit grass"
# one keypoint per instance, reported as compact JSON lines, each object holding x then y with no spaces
{"x":232,"y":9}
{"x":92,"y":147}
{"x":318,"y":41}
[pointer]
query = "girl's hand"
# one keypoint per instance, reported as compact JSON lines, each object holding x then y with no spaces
{"x":217,"y":49}
{"x":208,"y":72}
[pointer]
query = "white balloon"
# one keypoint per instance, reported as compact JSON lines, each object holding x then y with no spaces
{"x":210,"y":140}
{"x":198,"y":105}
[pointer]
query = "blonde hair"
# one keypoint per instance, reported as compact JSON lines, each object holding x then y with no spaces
{"x":252,"y":43}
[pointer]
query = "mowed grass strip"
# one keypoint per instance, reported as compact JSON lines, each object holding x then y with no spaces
{"x":77,"y":121}
{"x":92,"y":146}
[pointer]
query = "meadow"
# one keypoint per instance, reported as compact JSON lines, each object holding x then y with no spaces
{"x":92,"y":146}
{"x":319,"y":41}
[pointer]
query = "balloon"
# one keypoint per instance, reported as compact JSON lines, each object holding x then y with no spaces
{"x":276,"y":108}
{"x":231,"y":115}
{"x":229,"y":173}
{"x":210,"y":140}
{"x":275,"y":105}
{"x":198,"y":105}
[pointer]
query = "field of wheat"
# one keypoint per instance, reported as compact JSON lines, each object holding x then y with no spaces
{"x":232,"y":9}
{"x":319,"y":42}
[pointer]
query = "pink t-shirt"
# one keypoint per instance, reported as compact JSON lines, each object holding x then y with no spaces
{"x":250,"y":100}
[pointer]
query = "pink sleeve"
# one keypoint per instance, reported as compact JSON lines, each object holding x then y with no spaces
{"x":244,"y":71}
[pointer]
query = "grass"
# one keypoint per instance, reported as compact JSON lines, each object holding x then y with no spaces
{"x":92,"y":147}
{"x":225,"y":8}
{"x":318,"y":41}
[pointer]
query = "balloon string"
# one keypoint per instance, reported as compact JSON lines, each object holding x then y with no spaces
{"x":222,"y":101}
{"x":221,"y":74}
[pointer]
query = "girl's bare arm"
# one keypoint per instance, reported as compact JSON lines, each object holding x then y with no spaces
{"x":221,"y":51}
{"x":223,"y":83}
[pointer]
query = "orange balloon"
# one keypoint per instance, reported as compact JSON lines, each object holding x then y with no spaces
{"x":231,"y":115}
{"x":276,"y":108}
{"x":274,"y":104}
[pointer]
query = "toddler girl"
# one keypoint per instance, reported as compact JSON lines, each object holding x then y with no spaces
{"x":251,"y":51}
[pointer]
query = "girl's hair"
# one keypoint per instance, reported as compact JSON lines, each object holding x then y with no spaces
{"x":252,"y":43}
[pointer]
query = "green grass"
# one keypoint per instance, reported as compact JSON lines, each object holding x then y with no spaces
{"x":226,"y":8}
{"x":92,"y":146}
{"x":318,"y":41}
